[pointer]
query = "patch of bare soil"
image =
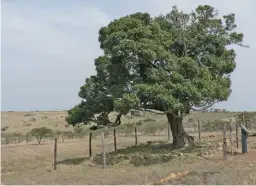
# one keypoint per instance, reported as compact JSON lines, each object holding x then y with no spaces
{"x":249,"y":156}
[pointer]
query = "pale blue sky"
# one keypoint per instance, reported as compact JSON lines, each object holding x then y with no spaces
{"x":49,"y":46}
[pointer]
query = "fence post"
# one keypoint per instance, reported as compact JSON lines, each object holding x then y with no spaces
{"x":243,"y":118}
{"x":135,"y":132}
{"x":246,"y":120}
{"x":224,"y":143}
{"x":27,"y":138}
{"x":90,"y":145}
{"x":231,"y":142}
{"x":199,"y":129}
{"x":103,"y":150}
{"x":237,"y":135}
{"x":115,"y":138}
{"x":6,"y":139}
{"x":55,"y":154}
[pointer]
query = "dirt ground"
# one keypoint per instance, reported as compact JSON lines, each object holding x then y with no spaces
{"x":32,"y":164}
{"x":29,"y":163}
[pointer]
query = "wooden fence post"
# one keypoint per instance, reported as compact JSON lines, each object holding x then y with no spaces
{"x":243,"y":118}
{"x":231,"y":141}
{"x":27,"y":138}
{"x":224,"y":143}
{"x":237,"y":136}
{"x":246,"y":120}
{"x":199,"y":130}
{"x":6,"y":139}
{"x":135,"y":134}
{"x":90,"y":145}
{"x":55,"y":154}
{"x":115,"y":138}
{"x":103,"y":150}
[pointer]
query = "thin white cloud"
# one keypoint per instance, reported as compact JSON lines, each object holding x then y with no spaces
{"x":47,"y":49}
{"x":54,"y":33}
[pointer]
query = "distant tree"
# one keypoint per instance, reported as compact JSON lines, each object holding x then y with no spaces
{"x":41,"y":132}
{"x":172,"y":63}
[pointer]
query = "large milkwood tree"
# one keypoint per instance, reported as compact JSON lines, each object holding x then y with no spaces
{"x":172,"y":63}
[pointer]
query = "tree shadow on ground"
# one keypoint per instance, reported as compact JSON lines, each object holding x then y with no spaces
{"x":144,"y":154}
{"x":73,"y":161}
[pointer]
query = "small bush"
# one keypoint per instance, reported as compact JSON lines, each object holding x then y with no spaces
{"x":149,"y":120}
{"x":4,"y":128}
{"x":41,"y":132}
{"x":28,"y":114}
{"x":32,"y":119}
{"x":138,"y":123}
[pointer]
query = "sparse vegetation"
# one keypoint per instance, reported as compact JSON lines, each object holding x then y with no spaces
{"x":4,"y":128}
{"x":28,"y":114}
{"x":41,"y":132}
{"x":215,"y":125}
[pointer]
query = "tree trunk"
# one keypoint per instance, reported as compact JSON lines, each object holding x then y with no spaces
{"x":178,"y":132}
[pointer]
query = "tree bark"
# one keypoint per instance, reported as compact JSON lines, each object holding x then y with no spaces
{"x":178,"y":133}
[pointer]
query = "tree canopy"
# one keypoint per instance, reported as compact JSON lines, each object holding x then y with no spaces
{"x":172,"y":63}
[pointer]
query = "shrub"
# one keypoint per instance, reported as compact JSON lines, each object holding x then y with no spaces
{"x":4,"y":128}
{"x":41,"y":132}
{"x":32,"y":119}
{"x":149,"y":120}
{"x":28,"y":114}
{"x":138,"y":123}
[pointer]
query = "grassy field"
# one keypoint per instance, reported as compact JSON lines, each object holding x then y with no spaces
{"x":23,"y":122}
{"x":30,"y":163}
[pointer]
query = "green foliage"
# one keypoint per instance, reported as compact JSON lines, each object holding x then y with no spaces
{"x":171,"y":63}
{"x":41,"y":132}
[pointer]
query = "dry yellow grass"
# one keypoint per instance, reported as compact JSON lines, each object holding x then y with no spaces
{"x":23,"y":122}
{"x":33,"y":164}
{"x":29,"y":163}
